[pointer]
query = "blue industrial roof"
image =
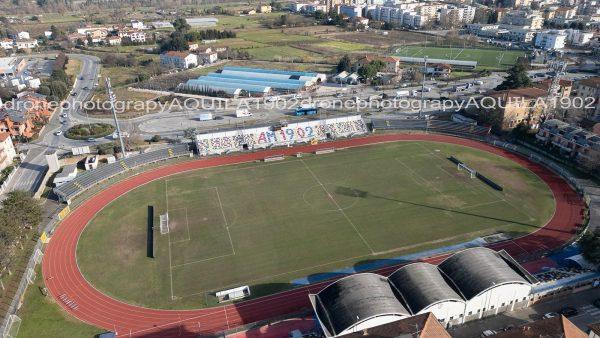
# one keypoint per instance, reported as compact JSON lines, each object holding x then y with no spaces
{"x":243,"y":81}
{"x":275,"y":83}
{"x":270,"y":71}
{"x":218,"y":83}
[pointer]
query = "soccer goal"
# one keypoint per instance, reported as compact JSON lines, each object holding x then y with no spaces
{"x":164,"y":224}
{"x":462,"y":166}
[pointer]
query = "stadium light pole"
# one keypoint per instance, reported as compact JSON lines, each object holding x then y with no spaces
{"x":423,"y":86}
{"x":111,"y":97}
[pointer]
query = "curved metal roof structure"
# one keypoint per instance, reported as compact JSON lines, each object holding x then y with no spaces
{"x":423,"y":285}
{"x":354,"y":299}
{"x":476,"y":270}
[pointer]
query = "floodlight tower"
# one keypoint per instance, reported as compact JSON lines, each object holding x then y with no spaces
{"x":559,"y":68}
{"x":423,"y":86}
{"x":112,"y":98}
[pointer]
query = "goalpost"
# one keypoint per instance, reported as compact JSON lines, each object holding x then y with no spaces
{"x":462,"y":166}
{"x":164,"y":224}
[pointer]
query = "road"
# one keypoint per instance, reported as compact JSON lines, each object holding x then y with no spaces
{"x":30,"y":173}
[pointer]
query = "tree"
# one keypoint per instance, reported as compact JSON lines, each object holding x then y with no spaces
{"x":181,"y":25}
{"x":344,"y":64}
{"x":590,"y":247}
{"x":22,"y":208}
{"x":370,"y":70}
{"x":176,"y":42}
{"x":517,"y":77}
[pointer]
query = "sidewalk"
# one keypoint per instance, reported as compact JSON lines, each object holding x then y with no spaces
{"x":582,"y":301}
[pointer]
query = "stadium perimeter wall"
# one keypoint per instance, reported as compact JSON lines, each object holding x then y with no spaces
{"x":450,"y":128}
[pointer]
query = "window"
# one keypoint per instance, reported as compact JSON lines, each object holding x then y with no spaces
{"x":470,"y":313}
{"x":503,"y":304}
{"x":491,"y":308}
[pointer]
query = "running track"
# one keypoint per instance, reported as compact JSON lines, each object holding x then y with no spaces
{"x":80,"y":299}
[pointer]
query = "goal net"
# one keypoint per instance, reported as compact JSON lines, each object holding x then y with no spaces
{"x":164,"y":224}
{"x":462,"y":166}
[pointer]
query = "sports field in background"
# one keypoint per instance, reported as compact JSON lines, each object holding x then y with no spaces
{"x":486,"y":58}
{"x":265,"y":224}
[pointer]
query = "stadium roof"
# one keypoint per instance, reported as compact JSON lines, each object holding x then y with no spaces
{"x":227,"y":86}
{"x":444,"y":61}
{"x":476,"y":270}
{"x":273,"y":83}
{"x":422,"y":285}
{"x":424,"y":325}
{"x":355,"y":299}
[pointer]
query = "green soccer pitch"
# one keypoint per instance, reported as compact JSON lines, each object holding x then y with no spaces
{"x":265,"y":224}
{"x":486,"y":58}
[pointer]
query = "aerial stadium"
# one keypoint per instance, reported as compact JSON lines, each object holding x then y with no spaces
{"x":256,"y":223}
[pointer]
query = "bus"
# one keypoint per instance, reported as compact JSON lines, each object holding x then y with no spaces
{"x":306,"y":110}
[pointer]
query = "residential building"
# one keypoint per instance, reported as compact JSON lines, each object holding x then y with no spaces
{"x":564,"y":86}
{"x":550,"y":40}
{"x":576,"y":37}
{"x":15,"y":124}
{"x":523,"y":105}
{"x":351,"y":11}
{"x":11,"y":66}
{"x":519,"y":34}
{"x":192,"y":46}
{"x":398,"y":16}
{"x":6,"y":43}
{"x":133,"y":35}
{"x":23,"y":36}
{"x":589,"y":89}
{"x":571,"y":141}
{"x":456,"y":16}
{"x":425,"y":325}
{"x":7,"y":150}
{"x":139,"y":25}
{"x":392,"y":64}
{"x":565,"y":13}
{"x":161,"y":24}
{"x":520,"y":3}
{"x":263,"y":9}
{"x":182,"y":60}
{"x":114,"y":40}
{"x":26,"y":44}
{"x":209,"y":57}
{"x":523,"y":18}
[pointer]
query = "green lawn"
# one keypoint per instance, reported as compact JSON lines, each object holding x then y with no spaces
{"x":281,"y":53}
{"x":266,"y":224}
{"x":42,"y":317}
{"x":345,"y":46}
{"x":486,"y":58}
{"x":274,"y":36}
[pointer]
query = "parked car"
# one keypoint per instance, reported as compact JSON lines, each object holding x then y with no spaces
{"x":488,"y":333}
{"x":550,"y":315}
{"x":91,"y":139}
{"x":568,"y":311}
{"x":58,"y":133}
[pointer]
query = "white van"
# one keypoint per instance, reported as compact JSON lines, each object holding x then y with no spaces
{"x":242,"y":113}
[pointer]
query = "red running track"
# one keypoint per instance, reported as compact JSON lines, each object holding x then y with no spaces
{"x":80,"y":299}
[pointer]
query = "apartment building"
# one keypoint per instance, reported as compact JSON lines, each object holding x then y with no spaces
{"x":571,"y":141}
{"x":523,"y":105}
{"x":523,"y":18}
{"x":181,"y":60}
{"x":550,"y":40}
{"x":589,"y":89}
{"x":452,"y":16}
{"x":7,"y":150}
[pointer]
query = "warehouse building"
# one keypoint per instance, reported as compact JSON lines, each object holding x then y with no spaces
{"x":468,"y":285}
{"x":236,"y":81}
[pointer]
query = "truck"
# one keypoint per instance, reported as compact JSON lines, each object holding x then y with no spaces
{"x":205,"y":117}
{"x":402,"y":93}
{"x":242,"y":113}
{"x":306,"y":109}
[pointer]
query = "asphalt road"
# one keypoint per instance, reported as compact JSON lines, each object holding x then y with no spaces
{"x":31,"y":171}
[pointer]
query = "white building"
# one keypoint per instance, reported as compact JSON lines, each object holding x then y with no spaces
{"x":398,"y":16}
{"x":136,"y":24}
{"x":68,"y":173}
{"x":576,"y":37}
{"x":351,"y":11}
{"x":452,"y":16}
{"x":208,"y":57}
{"x":114,"y":40}
{"x":550,"y":40}
{"x":6,"y":43}
{"x":26,"y":44}
{"x":7,"y":150}
{"x":48,"y":34}
{"x":133,"y":34}
{"x":182,"y":60}
{"x":468,"y":285}
{"x":23,"y":35}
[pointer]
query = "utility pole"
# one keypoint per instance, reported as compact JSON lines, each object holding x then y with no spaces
{"x":111,"y":97}
{"x":423,"y":87}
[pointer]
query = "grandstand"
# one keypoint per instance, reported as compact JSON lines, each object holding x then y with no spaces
{"x":238,"y":80}
{"x":266,"y":137}
{"x":89,"y":178}
{"x":436,"y":126}
{"x":468,"y":285}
